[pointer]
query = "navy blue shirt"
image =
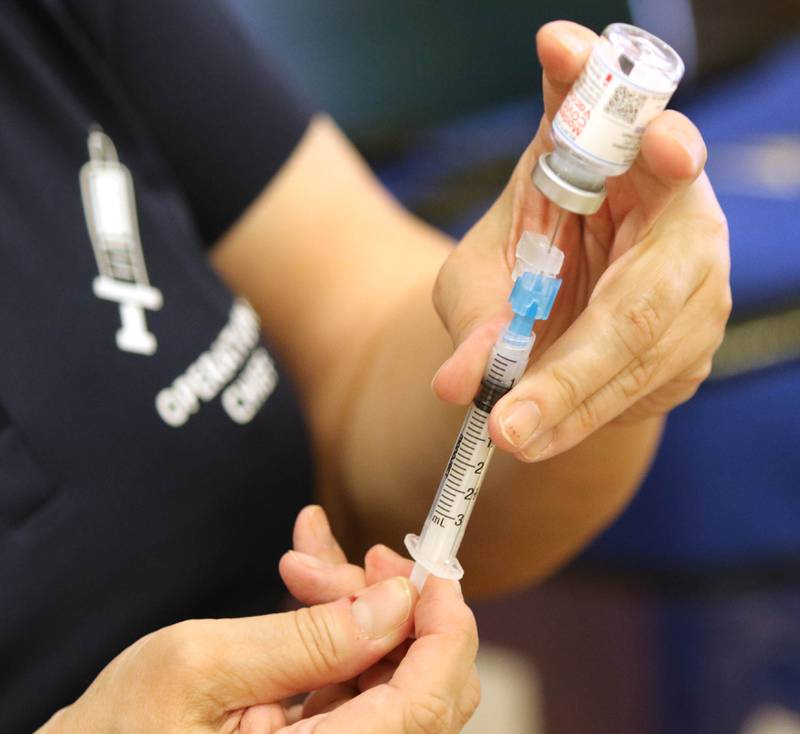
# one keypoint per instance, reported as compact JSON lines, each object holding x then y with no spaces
{"x":152,"y":453}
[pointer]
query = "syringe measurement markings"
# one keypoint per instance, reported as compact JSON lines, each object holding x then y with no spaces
{"x":464,"y":464}
{"x":466,"y":457}
{"x":453,"y":489}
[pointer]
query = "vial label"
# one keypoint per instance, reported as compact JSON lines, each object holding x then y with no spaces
{"x":605,"y":114}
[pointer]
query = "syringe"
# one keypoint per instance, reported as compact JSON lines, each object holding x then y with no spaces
{"x":626,"y":64}
{"x":536,"y":284}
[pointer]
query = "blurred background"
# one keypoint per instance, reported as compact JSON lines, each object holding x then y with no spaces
{"x":684,"y":616}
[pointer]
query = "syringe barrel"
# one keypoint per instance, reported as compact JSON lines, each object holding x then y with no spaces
{"x":437,"y":546}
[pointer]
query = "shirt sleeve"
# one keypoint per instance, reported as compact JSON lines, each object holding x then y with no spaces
{"x":221,"y":116}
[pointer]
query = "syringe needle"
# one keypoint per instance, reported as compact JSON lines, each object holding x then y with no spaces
{"x":559,"y":217}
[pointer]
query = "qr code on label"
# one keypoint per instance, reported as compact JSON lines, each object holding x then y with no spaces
{"x":625,"y":104}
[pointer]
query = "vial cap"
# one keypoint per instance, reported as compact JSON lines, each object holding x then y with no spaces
{"x":563,"y":193}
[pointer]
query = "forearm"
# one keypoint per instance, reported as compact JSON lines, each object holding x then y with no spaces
{"x":530,"y":518}
{"x":345,"y":295}
{"x":62,"y":722}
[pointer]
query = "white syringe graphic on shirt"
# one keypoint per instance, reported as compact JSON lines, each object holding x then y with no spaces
{"x":110,"y":209}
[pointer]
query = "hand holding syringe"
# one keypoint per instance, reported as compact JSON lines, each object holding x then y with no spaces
{"x":596,"y":133}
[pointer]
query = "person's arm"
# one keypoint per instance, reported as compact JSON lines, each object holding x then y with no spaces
{"x":342,"y":277}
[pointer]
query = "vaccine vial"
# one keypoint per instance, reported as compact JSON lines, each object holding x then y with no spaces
{"x":597,"y":132}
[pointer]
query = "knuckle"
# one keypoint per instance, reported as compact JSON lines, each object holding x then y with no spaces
{"x":711,"y":230}
{"x":447,"y":297}
{"x":719,"y":225}
{"x":689,"y":383}
{"x":690,"y":388}
{"x":705,"y":371}
{"x":715,"y":342}
{"x":315,"y":630}
{"x":470,"y":698}
{"x":699,"y":374}
{"x":566,"y":385}
{"x":439,"y":291}
{"x":429,"y":713}
{"x":587,"y":416}
{"x":188,"y":648}
{"x":637,"y":375}
{"x":463,"y":639}
{"x":710,"y":225}
{"x":640,"y":323}
{"x":725,"y":304}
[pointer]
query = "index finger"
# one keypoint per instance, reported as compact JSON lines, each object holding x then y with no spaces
{"x":632,"y":307}
{"x":316,"y":570}
{"x":563,"y":48}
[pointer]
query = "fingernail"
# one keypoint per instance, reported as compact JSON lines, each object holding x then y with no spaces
{"x":439,"y":372}
{"x":433,"y":381}
{"x":520,"y":421}
{"x":573,"y":43}
{"x":321,"y":527}
{"x":308,"y":560}
{"x":382,"y":608}
{"x":694,"y":148}
{"x":538,"y":447}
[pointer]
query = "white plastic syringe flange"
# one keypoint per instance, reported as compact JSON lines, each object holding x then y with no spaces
{"x":450,"y":569}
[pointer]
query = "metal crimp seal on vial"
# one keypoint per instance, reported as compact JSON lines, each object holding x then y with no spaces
{"x":563,"y":193}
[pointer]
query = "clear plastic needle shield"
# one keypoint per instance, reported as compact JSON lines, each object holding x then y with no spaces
{"x":535,"y":287}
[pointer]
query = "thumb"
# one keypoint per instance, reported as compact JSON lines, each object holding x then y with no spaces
{"x":269,"y":658}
